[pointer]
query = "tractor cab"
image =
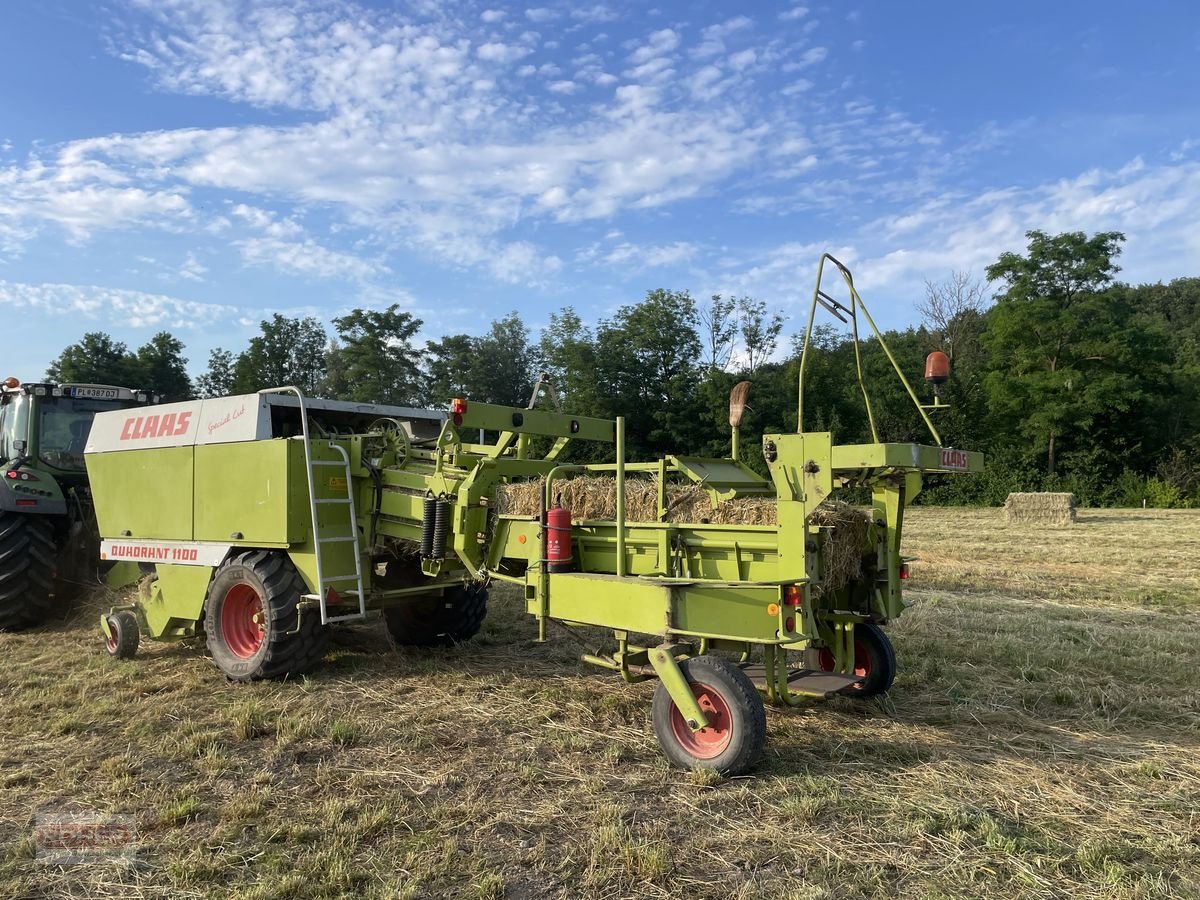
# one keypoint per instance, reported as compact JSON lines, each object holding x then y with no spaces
{"x":45,"y":426}
{"x":47,"y":520}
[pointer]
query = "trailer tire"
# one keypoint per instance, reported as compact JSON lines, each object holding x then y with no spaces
{"x":27,"y":560}
{"x":253,"y":623}
{"x":439,"y":620}
{"x":874,"y":658}
{"x":123,"y":643}
{"x":738,"y":722}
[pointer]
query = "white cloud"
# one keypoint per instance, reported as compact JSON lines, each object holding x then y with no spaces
{"x":492,"y":15}
{"x":305,"y":258}
{"x":133,"y":309}
{"x":192,"y":269}
{"x":658,"y":44}
{"x":502,"y":53}
{"x":541,"y":14}
{"x":649,"y":257}
{"x":813,"y":56}
{"x":791,"y":15}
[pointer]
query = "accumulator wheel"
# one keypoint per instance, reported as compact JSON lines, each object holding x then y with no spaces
{"x":123,"y":642}
{"x":27,"y":560}
{"x":439,"y":620}
{"x":737,"y":726}
{"x":253,"y":623}
{"x":874,"y":659}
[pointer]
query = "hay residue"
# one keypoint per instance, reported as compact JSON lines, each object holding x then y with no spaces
{"x":844,"y":528}
{"x":1039,"y":509}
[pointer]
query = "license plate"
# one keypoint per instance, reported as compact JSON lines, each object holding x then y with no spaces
{"x":91,"y":393}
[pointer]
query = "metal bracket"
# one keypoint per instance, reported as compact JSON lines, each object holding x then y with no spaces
{"x":677,"y":686}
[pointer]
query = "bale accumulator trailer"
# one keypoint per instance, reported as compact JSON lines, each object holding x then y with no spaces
{"x":268,"y":517}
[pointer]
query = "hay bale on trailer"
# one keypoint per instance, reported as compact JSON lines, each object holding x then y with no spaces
{"x":1039,"y":509}
{"x":595,"y":497}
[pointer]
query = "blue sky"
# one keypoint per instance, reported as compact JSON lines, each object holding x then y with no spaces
{"x":196,"y":165}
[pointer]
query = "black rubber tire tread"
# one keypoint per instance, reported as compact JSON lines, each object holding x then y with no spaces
{"x":439,"y":620}
{"x":883,"y":661}
{"x":125,"y":634}
{"x":285,"y":652}
{"x":27,"y":560}
{"x":748,"y":717}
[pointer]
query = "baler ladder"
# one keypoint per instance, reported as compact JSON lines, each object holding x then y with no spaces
{"x":324,"y":582}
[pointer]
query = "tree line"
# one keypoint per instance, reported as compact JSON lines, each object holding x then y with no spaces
{"x":1066,"y":378}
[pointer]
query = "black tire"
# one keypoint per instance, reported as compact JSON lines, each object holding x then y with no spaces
{"x":264,"y":584}
{"x":734,"y":741}
{"x":439,"y":620}
{"x":874,"y":658}
{"x":124,"y":641}
{"x":27,"y":560}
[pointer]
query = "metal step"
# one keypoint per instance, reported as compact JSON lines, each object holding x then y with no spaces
{"x":329,"y":579}
{"x":809,"y":682}
{"x":337,"y":540}
{"x":327,"y":462}
{"x":333,"y":500}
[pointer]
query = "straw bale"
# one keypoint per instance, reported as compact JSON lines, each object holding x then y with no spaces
{"x":1039,"y":509}
{"x":843,"y":527}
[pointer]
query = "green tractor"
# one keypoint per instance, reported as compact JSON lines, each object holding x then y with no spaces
{"x":48,"y":538}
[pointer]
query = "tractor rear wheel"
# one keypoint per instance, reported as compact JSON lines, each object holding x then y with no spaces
{"x":874,"y":659}
{"x":737,"y":722}
{"x":253,"y":622}
{"x":27,"y":559}
{"x":123,"y":641}
{"x":439,"y":620}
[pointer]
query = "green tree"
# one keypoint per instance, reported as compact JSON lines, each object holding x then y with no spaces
{"x":377,"y":359}
{"x":506,"y":364}
{"x":164,"y":368}
{"x":96,"y":359}
{"x":1064,"y":353}
{"x":648,"y":364}
{"x":450,"y":365}
{"x":759,"y":332}
{"x":286,"y":352}
{"x":568,"y":353}
{"x":718,"y":330}
{"x":217,"y":380}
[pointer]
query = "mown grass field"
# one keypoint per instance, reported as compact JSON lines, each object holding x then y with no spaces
{"x":1042,"y":740}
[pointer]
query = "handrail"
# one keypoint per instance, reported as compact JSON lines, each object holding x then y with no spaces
{"x":839,"y":311}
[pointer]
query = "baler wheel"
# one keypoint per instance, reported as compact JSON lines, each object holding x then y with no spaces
{"x":27,"y":562}
{"x":123,"y":643}
{"x":253,"y":622}
{"x":439,"y":620}
{"x":737,"y":728}
{"x":874,"y":659}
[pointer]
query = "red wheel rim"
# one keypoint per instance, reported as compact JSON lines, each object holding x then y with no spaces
{"x":862,"y":662}
{"x":110,"y":640}
{"x":712,"y":740}
{"x":243,"y":625}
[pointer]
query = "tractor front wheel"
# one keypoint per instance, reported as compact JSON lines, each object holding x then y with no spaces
{"x":27,"y":560}
{"x":737,"y":723}
{"x":122,"y":641}
{"x":874,"y":660}
{"x":439,"y":620}
{"x":253,"y":621}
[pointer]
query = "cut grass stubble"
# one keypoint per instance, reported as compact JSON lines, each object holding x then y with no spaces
{"x":1041,"y":741}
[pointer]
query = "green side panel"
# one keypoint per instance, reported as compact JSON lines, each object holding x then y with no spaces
{"x":613,"y":602}
{"x":732,"y":611}
{"x":664,"y":607}
{"x":176,"y":601}
{"x":147,"y":493}
{"x":257,"y":488}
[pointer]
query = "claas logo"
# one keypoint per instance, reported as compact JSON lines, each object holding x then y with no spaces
{"x":142,"y":427}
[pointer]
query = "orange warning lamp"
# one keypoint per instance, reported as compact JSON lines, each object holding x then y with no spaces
{"x":937,"y":367}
